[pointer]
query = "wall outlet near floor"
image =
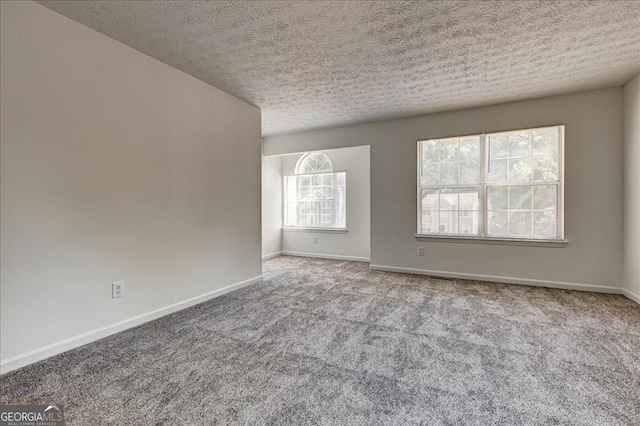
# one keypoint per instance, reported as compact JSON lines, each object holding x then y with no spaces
{"x":315,"y":240}
{"x":117,"y":289}
{"x":420,"y":251}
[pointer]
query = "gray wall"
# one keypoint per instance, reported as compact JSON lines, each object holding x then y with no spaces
{"x":114,"y":167}
{"x":593,"y":195}
{"x":354,"y":244}
{"x":271,"y":206}
{"x":632,"y":188}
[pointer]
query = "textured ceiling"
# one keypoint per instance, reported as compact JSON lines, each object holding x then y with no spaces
{"x":318,"y":64}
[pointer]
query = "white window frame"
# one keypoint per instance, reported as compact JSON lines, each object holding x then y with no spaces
{"x":482,"y":236}
{"x":320,"y":229}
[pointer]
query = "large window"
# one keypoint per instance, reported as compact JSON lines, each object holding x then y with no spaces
{"x":498,"y":185}
{"x":315,"y":195}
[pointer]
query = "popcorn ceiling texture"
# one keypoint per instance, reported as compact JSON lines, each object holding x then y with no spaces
{"x":319,"y":64}
{"x":334,"y":343}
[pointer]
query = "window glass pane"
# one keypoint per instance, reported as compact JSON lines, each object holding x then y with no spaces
{"x":499,"y":145}
{"x":545,"y":149}
{"x":520,"y":169}
{"x":453,"y":161}
{"x":498,"y":170}
{"x":545,"y":197}
{"x":469,"y":172}
{"x":469,"y":223}
{"x":545,"y":141}
{"x":468,"y":211}
{"x":545,"y":224}
{"x":317,"y":200}
{"x":545,"y":169}
{"x":520,"y":197}
{"x":314,"y":162}
{"x":524,"y":156}
{"x":430,"y":152}
{"x":520,"y":144}
{"x":497,"y":223}
{"x":498,"y":210}
{"x":448,"y":150}
{"x":430,"y":199}
{"x":430,"y":174}
{"x":449,"y":211}
{"x":498,"y":198}
{"x":519,"y":223}
{"x":545,"y":211}
{"x":448,"y":199}
{"x":429,"y":208}
{"x":469,"y":161}
{"x":470,"y":148}
{"x":448,"y":223}
{"x":304,"y":192}
{"x":522,"y":211}
{"x":448,"y":174}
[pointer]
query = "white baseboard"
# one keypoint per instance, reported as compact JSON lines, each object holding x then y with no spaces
{"x":499,"y":279}
{"x":44,"y":352}
{"x":271,"y":255}
{"x":631,"y":295}
{"x":326,"y":256}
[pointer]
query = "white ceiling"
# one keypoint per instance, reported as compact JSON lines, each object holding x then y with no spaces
{"x":314,"y":64}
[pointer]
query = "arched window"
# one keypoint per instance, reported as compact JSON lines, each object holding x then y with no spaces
{"x":314,"y":162}
{"x":315,"y":196}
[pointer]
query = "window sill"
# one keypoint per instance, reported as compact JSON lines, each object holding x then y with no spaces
{"x":494,"y":241}
{"x":315,"y":230}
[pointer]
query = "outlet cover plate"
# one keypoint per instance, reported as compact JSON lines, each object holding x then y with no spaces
{"x":117,"y":289}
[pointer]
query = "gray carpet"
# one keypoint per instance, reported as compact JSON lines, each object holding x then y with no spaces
{"x":331,"y":342}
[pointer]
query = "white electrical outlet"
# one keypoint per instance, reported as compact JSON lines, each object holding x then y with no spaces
{"x":420,"y":251}
{"x":117,"y":289}
{"x":315,"y":240}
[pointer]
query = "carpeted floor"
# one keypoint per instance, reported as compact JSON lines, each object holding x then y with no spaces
{"x":331,"y":342}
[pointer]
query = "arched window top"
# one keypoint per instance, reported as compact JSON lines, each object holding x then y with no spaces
{"x":314,"y":162}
